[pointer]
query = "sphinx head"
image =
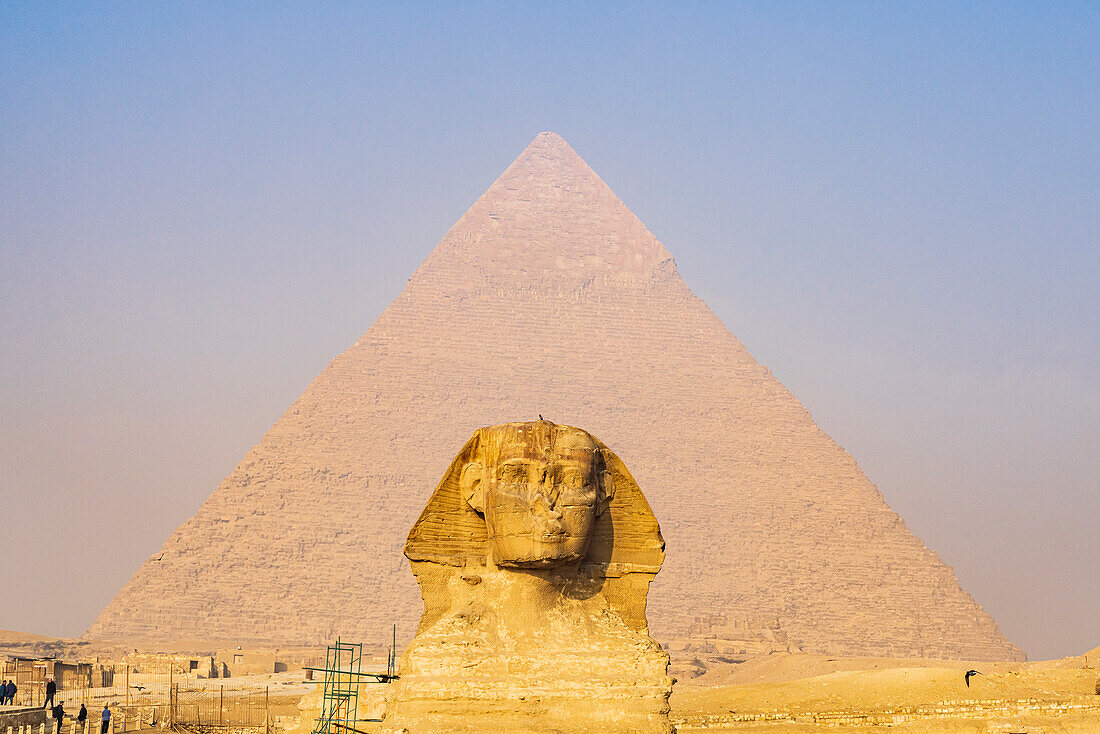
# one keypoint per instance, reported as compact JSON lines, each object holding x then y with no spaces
{"x":540,"y":488}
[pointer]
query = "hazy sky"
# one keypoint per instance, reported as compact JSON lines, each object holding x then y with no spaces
{"x":895,"y":206}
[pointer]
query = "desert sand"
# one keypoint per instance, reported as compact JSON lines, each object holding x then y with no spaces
{"x":811,"y":693}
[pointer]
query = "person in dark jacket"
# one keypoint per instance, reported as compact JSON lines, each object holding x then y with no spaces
{"x":81,"y":717}
{"x":51,"y":689}
{"x":12,"y":690}
{"x":4,"y":692}
{"x":59,"y":716}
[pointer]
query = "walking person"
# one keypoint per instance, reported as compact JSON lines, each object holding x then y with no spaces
{"x":12,"y":690}
{"x":106,"y":718}
{"x":4,"y":692}
{"x":51,"y":689}
{"x":58,"y":717}
{"x":81,"y":717}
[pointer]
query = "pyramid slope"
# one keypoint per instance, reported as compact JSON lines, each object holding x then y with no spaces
{"x":549,"y":296}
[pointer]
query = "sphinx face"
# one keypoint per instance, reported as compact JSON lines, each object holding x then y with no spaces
{"x":541,"y":496}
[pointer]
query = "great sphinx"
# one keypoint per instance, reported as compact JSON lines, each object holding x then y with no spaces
{"x":534,"y":557}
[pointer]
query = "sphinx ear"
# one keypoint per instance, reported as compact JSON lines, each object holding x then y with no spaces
{"x":472,"y":484}
{"x":605,"y":487}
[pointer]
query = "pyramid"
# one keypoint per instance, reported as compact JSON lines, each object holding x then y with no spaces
{"x":550,"y":297}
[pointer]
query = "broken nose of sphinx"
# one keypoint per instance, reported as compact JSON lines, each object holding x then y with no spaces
{"x":545,"y":513}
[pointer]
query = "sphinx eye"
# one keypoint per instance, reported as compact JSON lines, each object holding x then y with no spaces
{"x":513,"y":473}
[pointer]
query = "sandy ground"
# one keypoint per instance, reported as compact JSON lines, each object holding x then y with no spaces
{"x":22,"y":637}
{"x":784,"y":694}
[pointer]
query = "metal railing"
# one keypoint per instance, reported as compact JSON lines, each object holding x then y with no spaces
{"x":163,"y":698}
{"x":220,"y":706}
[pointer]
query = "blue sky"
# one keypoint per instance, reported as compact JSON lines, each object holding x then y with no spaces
{"x":895,"y":206}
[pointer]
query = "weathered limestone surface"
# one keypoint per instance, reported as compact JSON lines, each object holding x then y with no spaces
{"x":548,"y":296}
{"x":534,"y":557}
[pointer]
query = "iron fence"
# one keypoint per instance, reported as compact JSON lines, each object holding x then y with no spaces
{"x":220,"y":706}
{"x":158,"y":697}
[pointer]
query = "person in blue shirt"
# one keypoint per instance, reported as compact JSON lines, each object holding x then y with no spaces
{"x":106,"y":717}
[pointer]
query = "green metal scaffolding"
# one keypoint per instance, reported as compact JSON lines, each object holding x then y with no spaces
{"x":342,"y":674}
{"x":342,"y":677}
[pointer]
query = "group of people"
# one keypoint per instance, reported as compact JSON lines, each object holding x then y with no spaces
{"x":58,"y":712}
{"x":8,"y":689}
{"x":81,"y":717}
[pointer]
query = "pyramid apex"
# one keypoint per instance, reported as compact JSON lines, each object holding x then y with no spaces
{"x":551,"y":148}
{"x":549,"y":216}
{"x":550,"y":138}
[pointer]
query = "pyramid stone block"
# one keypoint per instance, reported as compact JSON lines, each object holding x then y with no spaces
{"x":550,"y":297}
